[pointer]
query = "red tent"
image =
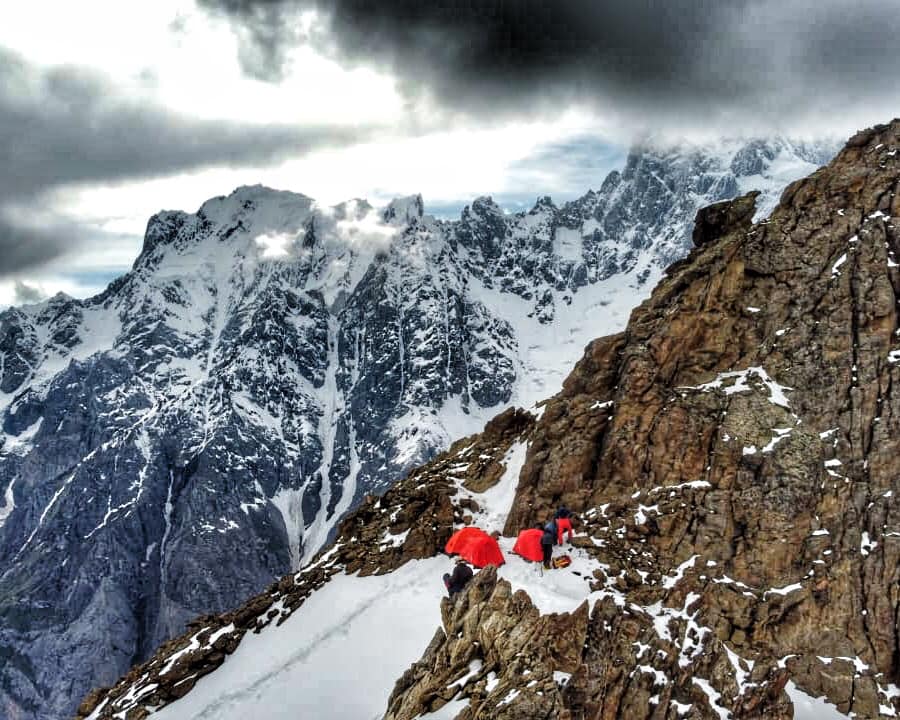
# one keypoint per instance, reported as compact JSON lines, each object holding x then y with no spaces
{"x":476,"y":546}
{"x":528,"y":545}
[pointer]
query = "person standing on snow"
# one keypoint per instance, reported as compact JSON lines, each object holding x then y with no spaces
{"x":563,"y":523}
{"x":547,"y":540}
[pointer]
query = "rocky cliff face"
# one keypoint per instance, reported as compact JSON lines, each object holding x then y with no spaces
{"x":734,"y":455}
{"x":733,"y":459}
{"x":170,"y":446}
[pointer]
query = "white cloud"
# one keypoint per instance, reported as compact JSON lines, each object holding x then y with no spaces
{"x":194,"y":70}
{"x":275,"y":246}
{"x":369,"y":231}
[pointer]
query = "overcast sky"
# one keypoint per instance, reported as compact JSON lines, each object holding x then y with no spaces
{"x":111,"y":111}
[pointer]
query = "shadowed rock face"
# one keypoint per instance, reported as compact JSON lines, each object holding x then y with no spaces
{"x":714,"y":221}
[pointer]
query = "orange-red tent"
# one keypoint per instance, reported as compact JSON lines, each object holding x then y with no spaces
{"x":476,"y":546}
{"x":528,"y":545}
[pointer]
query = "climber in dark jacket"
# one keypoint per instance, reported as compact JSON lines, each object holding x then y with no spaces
{"x":547,"y":541}
{"x":462,"y":573}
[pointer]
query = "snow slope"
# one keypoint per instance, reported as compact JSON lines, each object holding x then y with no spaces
{"x":337,"y":657}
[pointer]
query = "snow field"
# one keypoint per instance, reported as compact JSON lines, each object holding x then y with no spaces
{"x":338,"y":656}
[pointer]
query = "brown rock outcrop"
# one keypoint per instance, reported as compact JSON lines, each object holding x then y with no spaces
{"x":497,"y":650}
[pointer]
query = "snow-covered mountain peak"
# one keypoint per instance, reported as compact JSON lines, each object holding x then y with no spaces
{"x":404,"y":210}
{"x":543,"y":203}
{"x":260,"y":197}
{"x":37,"y":307}
{"x":348,"y":209}
{"x":482,"y":206}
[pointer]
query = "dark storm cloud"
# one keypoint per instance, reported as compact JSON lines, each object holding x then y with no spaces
{"x":65,"y":126}
{"x":670,"y":58}
{"x":23,"y":247}
{"x":27,"y":243}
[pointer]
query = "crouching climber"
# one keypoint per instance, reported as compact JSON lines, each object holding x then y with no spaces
{"x":462,"y":573}
{"x":563,"y":524}
{"x":547,"y":541}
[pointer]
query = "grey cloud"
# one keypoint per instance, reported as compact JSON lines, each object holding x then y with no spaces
{"x":28,"y":245}
{"x":23,"y":247}
{"x":67,"y":126}
{"x":679,"y":61}
{"x":25,"y":293}
{"x":266,"y":32}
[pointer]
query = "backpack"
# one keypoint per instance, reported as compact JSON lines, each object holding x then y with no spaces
{"x":562,"y":561}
